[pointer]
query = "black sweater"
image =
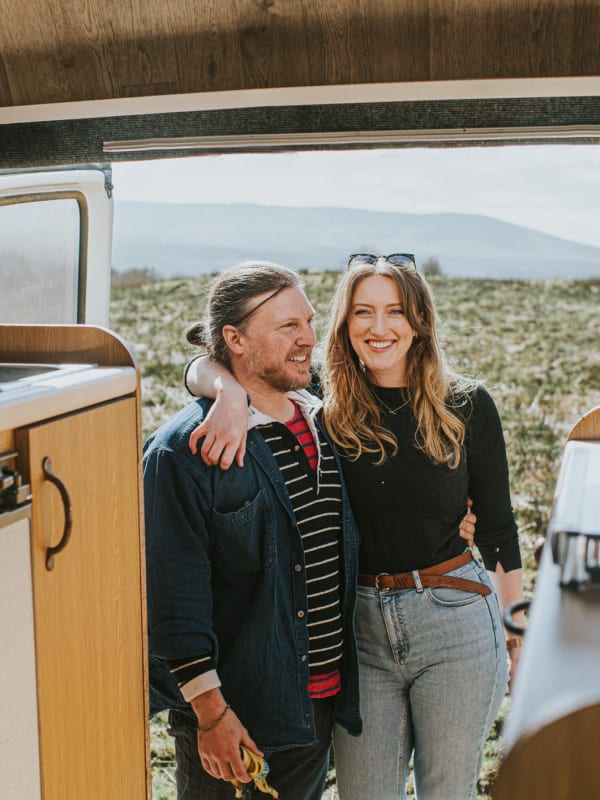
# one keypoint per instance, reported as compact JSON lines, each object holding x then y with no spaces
{"x":409,"y":509}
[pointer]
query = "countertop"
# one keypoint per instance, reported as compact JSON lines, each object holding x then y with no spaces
{"x":63,"y":391}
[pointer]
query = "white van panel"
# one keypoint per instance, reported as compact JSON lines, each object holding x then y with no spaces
{"x":55,"y":246}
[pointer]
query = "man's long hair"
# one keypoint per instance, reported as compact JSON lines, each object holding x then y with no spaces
{"x":351,"y":411}
{"x":230,"y":302}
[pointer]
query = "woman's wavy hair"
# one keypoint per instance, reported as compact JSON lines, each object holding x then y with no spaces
{"x":231,"y":301}
{"x":351,"y":411}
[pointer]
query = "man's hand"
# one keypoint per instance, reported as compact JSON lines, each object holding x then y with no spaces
{"x":467,"y":526}
{"x":219,"y":748}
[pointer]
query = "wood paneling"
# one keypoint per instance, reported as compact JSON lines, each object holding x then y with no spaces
{"x":7,"y":441}
{"x":72,"y":50}
{"x":70,"y":344}
{"x":588,"y":427}
{"x":506,"y":39}
{"x":555,"y":763}
{"x":89,"y":608}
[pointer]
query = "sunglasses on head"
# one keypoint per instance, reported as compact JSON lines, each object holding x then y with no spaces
{"x":396,"y":259}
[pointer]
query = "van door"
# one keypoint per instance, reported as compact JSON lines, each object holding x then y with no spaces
{"x":55,"y":245}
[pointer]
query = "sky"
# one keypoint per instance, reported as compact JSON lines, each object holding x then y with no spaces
{"x":554,"y":189}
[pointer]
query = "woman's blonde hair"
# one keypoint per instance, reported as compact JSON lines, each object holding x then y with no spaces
{"x":351,"y":411}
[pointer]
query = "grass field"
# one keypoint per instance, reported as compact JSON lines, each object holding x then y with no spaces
{"x":534,"y":344}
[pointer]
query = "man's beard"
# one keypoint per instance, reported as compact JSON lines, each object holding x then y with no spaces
{"x":277,"y":378}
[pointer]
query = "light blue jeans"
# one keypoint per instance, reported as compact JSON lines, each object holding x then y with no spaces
{"x":433,"y":672}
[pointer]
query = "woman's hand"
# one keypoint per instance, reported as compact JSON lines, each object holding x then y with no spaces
{"x":509,"y":588}
{"x":224,"y":430}
{"x":514,"y":653}
{"x":226,"y":425}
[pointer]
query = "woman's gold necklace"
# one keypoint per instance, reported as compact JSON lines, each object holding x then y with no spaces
{"x":393,"y":410}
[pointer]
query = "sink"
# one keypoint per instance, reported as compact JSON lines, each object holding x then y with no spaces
{"x":19,"y":375}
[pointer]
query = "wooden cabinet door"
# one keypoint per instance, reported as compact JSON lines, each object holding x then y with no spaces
{"x":88,"y":609}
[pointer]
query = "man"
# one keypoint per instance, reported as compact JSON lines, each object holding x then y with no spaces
{"x":252,"y":570}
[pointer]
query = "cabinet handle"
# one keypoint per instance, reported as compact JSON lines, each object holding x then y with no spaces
{"x":64,"y":540}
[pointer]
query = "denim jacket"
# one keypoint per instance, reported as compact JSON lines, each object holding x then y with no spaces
{"x":225,"y":571}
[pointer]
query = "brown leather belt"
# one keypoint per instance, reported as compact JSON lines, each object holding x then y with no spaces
{"x":432,"y":576}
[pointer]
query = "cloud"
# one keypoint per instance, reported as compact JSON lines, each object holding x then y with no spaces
{"x":551,"y":188}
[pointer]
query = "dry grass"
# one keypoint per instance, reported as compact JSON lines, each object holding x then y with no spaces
{"x":535,"y":345}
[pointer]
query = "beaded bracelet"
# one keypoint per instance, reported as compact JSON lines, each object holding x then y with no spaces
{"x":512,"y":643}
{"x":216,"y":721}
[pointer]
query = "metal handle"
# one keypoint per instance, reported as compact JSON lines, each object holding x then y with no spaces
{"x":64,"y":540}
{"x":521,"y":605}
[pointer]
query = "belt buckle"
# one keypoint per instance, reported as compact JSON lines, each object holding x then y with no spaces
{"x":377,"y":586}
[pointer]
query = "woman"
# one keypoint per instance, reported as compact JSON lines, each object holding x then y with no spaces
{"x":417,"y":441}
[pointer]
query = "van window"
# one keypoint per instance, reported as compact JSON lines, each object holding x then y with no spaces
{"x":40,"y":259}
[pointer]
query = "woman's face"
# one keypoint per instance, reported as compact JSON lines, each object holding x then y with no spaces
{"x":379,"y":332}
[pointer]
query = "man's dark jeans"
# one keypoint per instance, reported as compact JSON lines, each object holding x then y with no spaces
{"x":297,"y":774}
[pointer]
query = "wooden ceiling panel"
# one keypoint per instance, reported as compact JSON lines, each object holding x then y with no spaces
{"x":504,"y":40}
{"x":31,"y":52}
{"x":207,"y":55}
{"x":144,"y":52}
{"x":82,"y":50}
{"x":586,"y":40}
{"x":271,"y":35}
{"x":69,"y":50}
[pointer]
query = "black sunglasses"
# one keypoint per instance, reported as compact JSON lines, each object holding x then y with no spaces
{"x":397,"y":259}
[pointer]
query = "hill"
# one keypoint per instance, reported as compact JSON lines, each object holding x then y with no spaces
{"x":190,"y":240}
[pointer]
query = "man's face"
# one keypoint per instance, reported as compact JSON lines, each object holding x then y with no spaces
{"x":279,"y":340}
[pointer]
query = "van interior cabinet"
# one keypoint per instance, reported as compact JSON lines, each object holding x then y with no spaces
{"x":87,"y":579}
{"x":87,"y":608}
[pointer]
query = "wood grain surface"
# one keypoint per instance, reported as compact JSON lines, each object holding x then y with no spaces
{"x":89,"y":609}
{"x":72,"y":50}
{"x":555,"y":763}
{"x":69,"y":344}
{"x":588,"y":427}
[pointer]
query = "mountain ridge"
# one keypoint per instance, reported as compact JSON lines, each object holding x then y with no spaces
{"x":183,"y":240}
